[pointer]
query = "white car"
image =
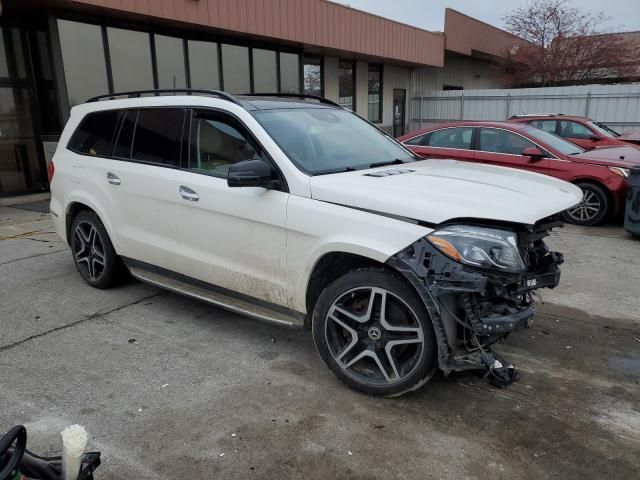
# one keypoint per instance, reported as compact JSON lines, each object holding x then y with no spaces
{"x":293,"y":210}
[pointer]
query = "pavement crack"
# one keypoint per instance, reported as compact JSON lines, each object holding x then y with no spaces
{"x":31,"y":256}
{"x":93,"y":316}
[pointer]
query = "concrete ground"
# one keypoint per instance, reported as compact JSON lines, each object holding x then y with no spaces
{"x":171,"y":388}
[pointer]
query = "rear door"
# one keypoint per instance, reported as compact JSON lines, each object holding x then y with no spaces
{"x":130,"y":180}
{"x":234,"y":238}
{"x":579,"y":134}
{"x":503,"y":147}
{"x":451,"y":142}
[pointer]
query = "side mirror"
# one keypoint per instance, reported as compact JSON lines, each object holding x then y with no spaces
{"x":251,"y":173}
{"x":593,"y":138}
{"x":533,"y":153}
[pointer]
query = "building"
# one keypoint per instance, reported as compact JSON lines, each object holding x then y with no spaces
{"x":55,"y":54}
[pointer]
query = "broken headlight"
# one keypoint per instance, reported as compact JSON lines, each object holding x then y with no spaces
{"x":487,"y":248}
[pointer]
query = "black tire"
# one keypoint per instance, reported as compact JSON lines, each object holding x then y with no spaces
{"x":91,"y":245}
{"x":407,"y":365}
{"x":584,"y":214}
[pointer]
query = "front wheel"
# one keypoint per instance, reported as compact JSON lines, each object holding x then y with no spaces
{"x":593,"y":208}
{"x":372,"y":330}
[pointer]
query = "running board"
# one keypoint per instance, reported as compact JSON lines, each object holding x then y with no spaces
{"x":227,"y":301}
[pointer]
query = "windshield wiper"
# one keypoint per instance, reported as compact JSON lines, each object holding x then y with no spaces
{"x":396,"y":161}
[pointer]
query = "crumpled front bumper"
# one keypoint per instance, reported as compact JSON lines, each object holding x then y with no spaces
{"x":471,"y":307}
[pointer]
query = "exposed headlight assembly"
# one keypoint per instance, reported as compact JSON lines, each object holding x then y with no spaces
{"x":480,"y":247}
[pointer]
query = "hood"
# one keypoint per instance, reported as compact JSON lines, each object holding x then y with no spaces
{"x":618,"y":156}
{"x":434,"y":191}
{"x":631,"y":137}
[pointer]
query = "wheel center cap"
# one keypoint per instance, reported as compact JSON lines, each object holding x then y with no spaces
{"x":374,"y":333}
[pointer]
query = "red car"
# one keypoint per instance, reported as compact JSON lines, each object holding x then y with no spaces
{"x":582,"y":131}
{"x":601,"y":173}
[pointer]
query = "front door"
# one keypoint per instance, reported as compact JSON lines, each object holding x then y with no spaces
{"x":399,"y":102}
{"x":233,"y":238}
{"x":21,"y":168}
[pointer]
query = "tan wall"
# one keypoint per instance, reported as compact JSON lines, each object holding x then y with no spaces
{"x":311,"y":22}
{"x":467,"y":73}
{"x":331,"y":78}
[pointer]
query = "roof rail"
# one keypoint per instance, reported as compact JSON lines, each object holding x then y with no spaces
{"x":526,"y":115}
{"x":138,"y":93}
{"x":295,"y":95}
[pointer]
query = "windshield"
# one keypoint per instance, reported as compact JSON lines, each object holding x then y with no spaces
{"x":604,"y":129}
{"x":328,"y":140}
{"x":554,"y":141}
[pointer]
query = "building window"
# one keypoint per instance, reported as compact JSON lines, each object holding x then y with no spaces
{"x":265,"y":77}
{"x":130,"y":54}
{"x":289,"y":72}
{"x":313,"y":76}
{"x":346,"y":89}
{"x":170,"y":62}
{"x":235,"y":69}
{"x":204,"y":65}
{"x":85,"y":70}
{"x":451,"y":87}
{"x":375,"y":93}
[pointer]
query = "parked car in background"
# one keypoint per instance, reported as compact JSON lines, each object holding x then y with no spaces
{"x":294,"y":210}
{"x":582,"y":131}
{"x":601,"y":173}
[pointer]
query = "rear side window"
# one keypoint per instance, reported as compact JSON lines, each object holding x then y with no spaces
{"x":94,"y":135}
{"x":451,"y":138}
{"x":158,"y":136}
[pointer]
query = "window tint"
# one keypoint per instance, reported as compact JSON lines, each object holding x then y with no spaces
{"x":502,"y":141}
{"x":170,"y":62}
{"x":216,"y":142}
{"x":95,"y":133}
{"x":289,"y":72}
{"x":265,"y":78}
{"x":574,"y":130}
{"x":122,"y":148}
{"x":203,"y":64}
{"x":85,"y":70}
{"x":235,"y":70}
{"x":375,"y":93}
{"x":451,"y":138}
{"x":346,"y":97}
{"x":546,"y":125}
{"x":419,"y":140}
{"x":157,"y":136}
{"x":130,"y":53}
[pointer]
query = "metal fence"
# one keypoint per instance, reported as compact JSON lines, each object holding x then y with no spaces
{"x":615,"y":105}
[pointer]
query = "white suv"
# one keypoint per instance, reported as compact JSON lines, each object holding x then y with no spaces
{"x":293,"y":210}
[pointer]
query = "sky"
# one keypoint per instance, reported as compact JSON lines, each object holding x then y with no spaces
{"x":429,"y":14}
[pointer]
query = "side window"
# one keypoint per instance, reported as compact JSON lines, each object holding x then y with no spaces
{"x":570,"y":129}
{"x":158,"y":135}
{"x":122,"y":146}
{"x":94,"y":135}
{"x":503,"y":141}
{"x":416,"y":140}
{"x":546,"y":125}
{"x":451,"y":138}
{"x":217,"y":141}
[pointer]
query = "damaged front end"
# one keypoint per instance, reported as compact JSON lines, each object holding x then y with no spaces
{"x":478,"y":282}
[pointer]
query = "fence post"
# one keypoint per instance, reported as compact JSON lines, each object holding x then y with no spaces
{"x":421,"y":111}
{"x":461,"y":106}
{"x":508,"y":105}
{"x":586,"y":108}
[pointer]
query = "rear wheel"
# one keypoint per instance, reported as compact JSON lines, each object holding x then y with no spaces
{"x":593,"y":208}
{"x":373,"y":332}
{"x":93,"y":253}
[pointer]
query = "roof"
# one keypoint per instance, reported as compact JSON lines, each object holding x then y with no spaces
{"x":469,"y":36}
{"x":332,"y":27}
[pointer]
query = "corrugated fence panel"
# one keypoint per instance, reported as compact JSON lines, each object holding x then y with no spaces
{"x":616,"y":105}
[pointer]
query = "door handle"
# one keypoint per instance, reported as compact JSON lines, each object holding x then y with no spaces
{"x":188,"y":194}
{"x":113,"y":179}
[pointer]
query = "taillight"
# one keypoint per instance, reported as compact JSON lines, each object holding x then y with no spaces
{"x":50,"y":171}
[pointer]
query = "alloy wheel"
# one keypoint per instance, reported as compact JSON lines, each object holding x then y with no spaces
{"x":89,"y":250}
{"x":588,"y":209}
{"x":374,"y":336}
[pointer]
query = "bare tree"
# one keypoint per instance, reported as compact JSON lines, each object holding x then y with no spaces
{"x":564,"y":45}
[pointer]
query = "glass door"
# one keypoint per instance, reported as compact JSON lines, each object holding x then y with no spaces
{"x":21,"y":169}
